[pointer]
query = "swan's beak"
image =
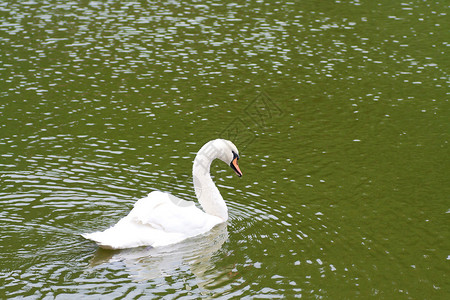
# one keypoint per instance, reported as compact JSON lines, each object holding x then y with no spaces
{"x":234,"y":165}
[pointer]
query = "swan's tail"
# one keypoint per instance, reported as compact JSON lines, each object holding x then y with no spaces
{"x":103,"y":240}
{"x":130,"y":235}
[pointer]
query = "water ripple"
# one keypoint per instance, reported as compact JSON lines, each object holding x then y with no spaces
{"x":103,"y":102}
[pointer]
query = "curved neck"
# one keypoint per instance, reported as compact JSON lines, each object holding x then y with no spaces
{"x":206,"y":191}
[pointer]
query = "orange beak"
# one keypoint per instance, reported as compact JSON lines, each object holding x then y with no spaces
{"x":234,"y":165}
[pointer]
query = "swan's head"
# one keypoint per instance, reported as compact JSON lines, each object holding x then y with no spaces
{"x":224,"y":150}
{"x":230,"y":155}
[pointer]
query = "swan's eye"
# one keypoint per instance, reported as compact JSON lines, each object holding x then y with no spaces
{"x":235,"y":155}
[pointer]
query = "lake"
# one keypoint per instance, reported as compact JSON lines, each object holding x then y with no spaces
{"x":340,"y":111}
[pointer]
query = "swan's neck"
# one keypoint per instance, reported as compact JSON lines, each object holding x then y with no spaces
{"x":206,"y":191}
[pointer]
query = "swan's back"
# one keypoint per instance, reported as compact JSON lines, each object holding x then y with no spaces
{"x":156,"y":220}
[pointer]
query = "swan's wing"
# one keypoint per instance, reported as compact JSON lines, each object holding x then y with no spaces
{"x":179,"y":202}
{"x":156,"y":220}
{"x":172,"y":215}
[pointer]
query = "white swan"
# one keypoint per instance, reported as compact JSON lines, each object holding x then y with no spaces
{"x":162,"y":219}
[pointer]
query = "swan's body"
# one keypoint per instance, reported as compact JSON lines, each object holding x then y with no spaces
{"x":162,"y":219}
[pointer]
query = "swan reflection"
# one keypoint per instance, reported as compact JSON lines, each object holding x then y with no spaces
{"x":147,"y":263}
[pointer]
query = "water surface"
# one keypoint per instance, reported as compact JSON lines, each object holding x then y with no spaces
{"x":340,"y":111}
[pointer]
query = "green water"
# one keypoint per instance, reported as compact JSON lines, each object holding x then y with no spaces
{"x":340,"y":110}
